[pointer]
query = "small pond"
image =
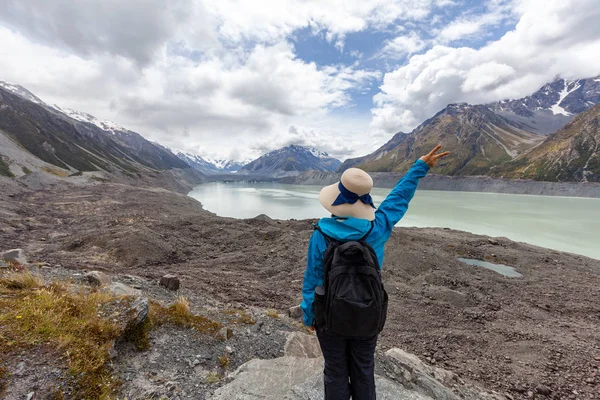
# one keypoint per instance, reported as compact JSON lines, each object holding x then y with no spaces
{"x":499,"y":268}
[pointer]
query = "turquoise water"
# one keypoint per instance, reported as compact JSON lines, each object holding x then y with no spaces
{"x":562,"y":223}
{"x":499,"y":268}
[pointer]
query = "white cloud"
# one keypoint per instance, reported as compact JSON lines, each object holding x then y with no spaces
{"x":552,"y":38}
{"x":222,"y":78}
{"x":402,"y":46}
{"x":472,"y":25}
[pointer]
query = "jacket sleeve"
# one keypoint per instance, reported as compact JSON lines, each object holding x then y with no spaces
{"x":393,"y":208}
{"x":313,"y":276}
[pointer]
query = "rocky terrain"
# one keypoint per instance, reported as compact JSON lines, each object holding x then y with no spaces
{"x":571,"y":154}
{"x":553,"y":106}
{"x":75,"y":144}
{"x":478,"y":139}
{"x":529,"y":337}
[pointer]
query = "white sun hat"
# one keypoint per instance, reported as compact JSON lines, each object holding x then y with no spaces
{"x":351,"y":196}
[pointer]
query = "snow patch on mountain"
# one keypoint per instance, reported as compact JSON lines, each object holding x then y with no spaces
{"x":105,"y":125}
{"x":556,"y":108}
{"x":22,"y":92}
{"x":210,"y":165}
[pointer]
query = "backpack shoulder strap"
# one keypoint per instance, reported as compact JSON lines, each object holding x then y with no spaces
{"x":328,"y":239}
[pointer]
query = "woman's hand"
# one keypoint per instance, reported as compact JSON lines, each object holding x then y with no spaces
{"x":431,"y":159}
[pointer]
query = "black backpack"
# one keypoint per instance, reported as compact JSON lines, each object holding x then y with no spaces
{"x":352,"y":301}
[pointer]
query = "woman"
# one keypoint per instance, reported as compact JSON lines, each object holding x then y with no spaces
{"x":350,"y":362}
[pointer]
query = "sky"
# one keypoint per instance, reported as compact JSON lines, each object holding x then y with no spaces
{"x":237,"y":78}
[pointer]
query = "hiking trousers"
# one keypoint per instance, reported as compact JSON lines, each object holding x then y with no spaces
{"x":349,"y":366}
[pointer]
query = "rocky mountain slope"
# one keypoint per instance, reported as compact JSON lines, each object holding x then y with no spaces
{"x":72,"y":142}
{"x":570,"y":155}
{"x":210,"y":166}
{"x":477,"y":138}
{"x":290,"y":161}
{"x":553,"y":106}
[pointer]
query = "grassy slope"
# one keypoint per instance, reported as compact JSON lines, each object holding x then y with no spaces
{"x":564,"y":155}
{"x":4,"y":169}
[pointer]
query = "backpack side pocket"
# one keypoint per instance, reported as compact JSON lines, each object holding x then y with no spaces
{"x":319,"y":307}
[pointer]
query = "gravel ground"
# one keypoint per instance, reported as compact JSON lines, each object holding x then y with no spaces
{"x":511,"y":335}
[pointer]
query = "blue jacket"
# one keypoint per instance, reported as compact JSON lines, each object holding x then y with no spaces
{"x":391,"y":210}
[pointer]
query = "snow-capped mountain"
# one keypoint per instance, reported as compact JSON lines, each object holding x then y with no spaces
{"x":553,"y":106}
{"x":105,"y":125}
{"x":290,"y":161}
{"x":225,"y":165}
{"x":21,"y":92}
{"x":76,"y":141}
{"x":210,"y":166}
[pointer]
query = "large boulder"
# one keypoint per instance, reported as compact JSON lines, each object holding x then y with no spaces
{"x":434,"y":382}
{"x":302,"y":346}
{"x":120,"y":289}
{"x":312,"y":389}
{"x":268,"y":379}
{"x":295,"y":312}
{"x":97,"y":278}
{"x":170,"y":282}
{"x":14,"y":255}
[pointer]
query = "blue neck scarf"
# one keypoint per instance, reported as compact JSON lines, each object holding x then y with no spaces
{"x":348,"y":197}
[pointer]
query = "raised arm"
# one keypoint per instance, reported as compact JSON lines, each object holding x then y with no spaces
{"x":393,"y":208}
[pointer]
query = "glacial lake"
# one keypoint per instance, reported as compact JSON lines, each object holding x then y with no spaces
{"x":562,"y":223}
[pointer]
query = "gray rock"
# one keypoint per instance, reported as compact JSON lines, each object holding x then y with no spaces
{"x":301,"y":345}
{"x":263,"y":217}
{"x":543,"y":390}
{"x":493,"y":242}
{"x":312,"y":389}
{"x":3,"y":264}
{"x":268,"y":379}
{"x":120,"y":289}
{"x":138,"y":313}
{"x":295,"y":312}
{"x":292,"y":378}
{"x":17,"y":255}
{"x":170,"y":282}
{"x":416,"y":375}
{"x":30,"y":396}
{"x":97,"y":278}
{"x":431,"y":381}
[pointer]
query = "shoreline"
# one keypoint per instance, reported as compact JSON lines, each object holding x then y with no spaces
{"x":475,"y":184}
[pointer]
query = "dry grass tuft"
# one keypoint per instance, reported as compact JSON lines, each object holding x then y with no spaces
{"x":243,"y":317}
{"x":213,"y":377}
{"x":20,"y":281}
{"x":224,"y":360}
{"x":32,"y":314}
{"x":179,"y":314}
{"x":273,"y":314}
{"x":55,"y":171}
{"x":3,"y":378}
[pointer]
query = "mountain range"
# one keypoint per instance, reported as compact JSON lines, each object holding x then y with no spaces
{"x":503,"y":138}
{"x":552,"y":135}
{"x":290,"y":161}
{"x":551,"y":107}
{"x":67,"y":142}
{"x":210,"y":166}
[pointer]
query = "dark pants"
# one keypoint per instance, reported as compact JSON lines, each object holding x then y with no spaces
{"x":349,"y":367}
